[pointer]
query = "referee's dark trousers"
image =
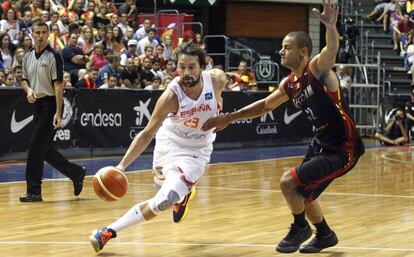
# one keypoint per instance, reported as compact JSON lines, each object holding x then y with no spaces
{"x":41,"y":149}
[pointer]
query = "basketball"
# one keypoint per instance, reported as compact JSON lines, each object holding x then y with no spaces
{"x":110,"y":184}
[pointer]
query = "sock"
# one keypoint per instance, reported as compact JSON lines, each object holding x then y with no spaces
{"x":299,"y":219}
{"x":323,"y":228}
{"x":131,"y":217}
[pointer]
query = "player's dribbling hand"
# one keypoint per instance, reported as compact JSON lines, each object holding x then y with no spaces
{"x":219,"y":122}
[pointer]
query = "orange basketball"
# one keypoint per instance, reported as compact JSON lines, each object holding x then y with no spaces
{"x":110,"y":184}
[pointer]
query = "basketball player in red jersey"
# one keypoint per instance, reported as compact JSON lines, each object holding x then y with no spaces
{"x":313,"y":87}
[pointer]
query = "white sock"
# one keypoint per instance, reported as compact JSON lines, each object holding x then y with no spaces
{"x":131,"y":217}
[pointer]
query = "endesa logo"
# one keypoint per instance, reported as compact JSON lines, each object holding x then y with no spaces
{"x":101,"y":119}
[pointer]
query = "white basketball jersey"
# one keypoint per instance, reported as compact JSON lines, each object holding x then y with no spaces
{"x":184,"y":127}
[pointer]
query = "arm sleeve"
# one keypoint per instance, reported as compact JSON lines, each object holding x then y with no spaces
{"x":57,"y":68}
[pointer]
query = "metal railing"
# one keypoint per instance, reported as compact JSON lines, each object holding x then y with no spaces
{"x":365,"y":94}
{"x":239,"y":50}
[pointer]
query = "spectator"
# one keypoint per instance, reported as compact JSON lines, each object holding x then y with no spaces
{"x":123,"y":23}
{"x":18,"y":57}
{"x":148,"y":40}
{"x":130,"y":34}
{"x":111,"y":82}
{"x":148,"y":52}
{"x":395,"y":16}
{"x":198,"y":39}
{"x":409,"y":112}
{"x":158,"y":54}
{"x":143,"y":30}
{"x":89,"y":81}
{"x":395,"y":130}
{"x":97,"y":58}
{"x":26,"y":43}
{"x":6,"y":51}
{"x":36,"y":10}
{"x":89,"y":14}
{"x":9,"y":80}
{"x":130,"y":9}
{"x":55,"y":40}
{"x":130,"y":77}
{"x":402,"y":28}
{"x":378,"y":10}
{"x":56,"y":5}
{"x":44,"y":16}
{"x":11,"y":26}
{"x":169,"y":69}
{"x":63,"y":22}
{"x":2,"y":78}
{"x":345,"y":80}
{"x":54,"y":18}
{"x":168,"y":47}
{"x":82,"y":73}
{"x":17,"y":71}
{"x":101,"y":17}
{"x":25,"y":24}
{"x":110,"y":68}
{"x":86,"y":41}
{"x":130,"y":53}
{"x":146,"y":75}
{"x":155,"y":84}
{"x":114,"y":20}
{"x":243,"y":71}
{"x":156,"y":68}
{"x":165,"y":82}
{"x":73,"y":58}
{"x":66,"y":80}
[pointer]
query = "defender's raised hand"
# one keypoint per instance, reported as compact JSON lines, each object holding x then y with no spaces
{"x":330,"y":12}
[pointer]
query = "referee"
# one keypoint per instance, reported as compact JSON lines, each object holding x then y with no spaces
{"x":42,"y":82}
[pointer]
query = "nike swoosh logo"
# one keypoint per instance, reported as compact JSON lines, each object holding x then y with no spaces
{"x":16,"y":126}
{"x":289,"y":118}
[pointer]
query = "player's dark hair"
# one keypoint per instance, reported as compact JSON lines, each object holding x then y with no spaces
{"x":193,"y":50}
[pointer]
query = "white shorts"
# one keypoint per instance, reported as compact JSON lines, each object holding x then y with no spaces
{"x":190,"y":162}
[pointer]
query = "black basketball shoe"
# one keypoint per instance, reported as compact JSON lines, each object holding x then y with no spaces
{"x":320,"y":242}
{"x":295,"y":237}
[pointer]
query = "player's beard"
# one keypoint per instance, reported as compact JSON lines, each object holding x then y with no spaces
{"x":188,"y":81}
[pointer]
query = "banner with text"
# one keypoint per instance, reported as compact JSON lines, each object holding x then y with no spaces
{"x":112,"y":118}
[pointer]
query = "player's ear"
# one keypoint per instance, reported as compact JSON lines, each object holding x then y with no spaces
{"x":304,"y":51}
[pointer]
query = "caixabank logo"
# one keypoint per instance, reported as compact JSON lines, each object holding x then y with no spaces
{"x":143,"y":115}
{"x":267,"y":124}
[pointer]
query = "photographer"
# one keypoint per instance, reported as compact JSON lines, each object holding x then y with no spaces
{"x":395,"y":131}
{"x":348,"y":35}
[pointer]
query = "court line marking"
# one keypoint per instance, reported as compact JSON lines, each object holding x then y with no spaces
{"x":203,"y":244}
{"x":385,"y":157}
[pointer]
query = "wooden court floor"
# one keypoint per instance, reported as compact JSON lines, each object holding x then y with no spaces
{"x":238,"y":211}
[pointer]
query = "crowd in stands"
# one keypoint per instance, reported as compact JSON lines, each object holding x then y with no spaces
{"x":102,"y":45}
{"x":397,"y":17}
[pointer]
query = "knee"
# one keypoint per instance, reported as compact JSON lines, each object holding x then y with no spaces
{"x":286,"y":182}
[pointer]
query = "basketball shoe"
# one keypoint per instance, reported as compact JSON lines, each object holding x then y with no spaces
{"x":320,"y":242}
{"x":100,"y":237}
{"x":180,"y":209}
{"x":294,"y":238}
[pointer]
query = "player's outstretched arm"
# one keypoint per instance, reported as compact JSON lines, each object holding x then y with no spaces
{"x":167,"y":103}
{"x":253,"y":110}
{"x":323,"y":62}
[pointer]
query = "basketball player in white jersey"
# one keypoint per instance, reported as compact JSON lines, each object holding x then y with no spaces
{"x":182,"y":149}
